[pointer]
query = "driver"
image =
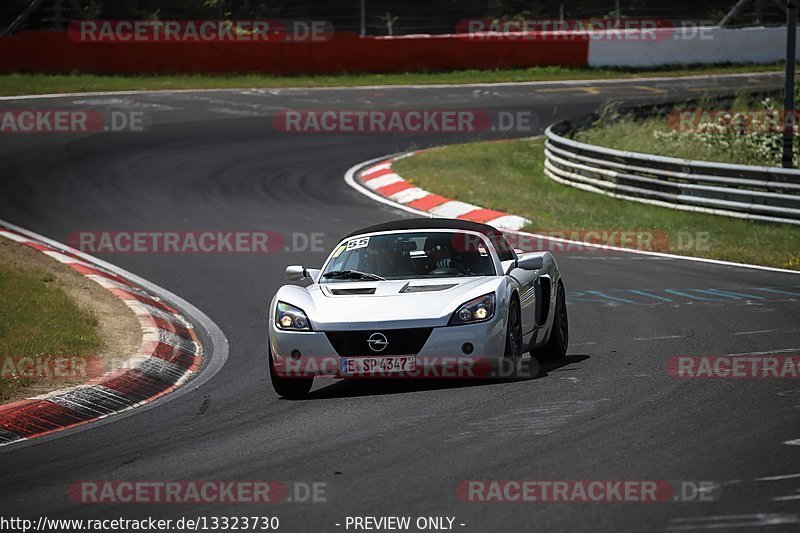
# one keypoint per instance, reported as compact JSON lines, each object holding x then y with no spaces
{"x":440,"y":253}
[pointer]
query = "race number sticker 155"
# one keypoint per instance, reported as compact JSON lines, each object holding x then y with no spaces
{"x":358,"y":243}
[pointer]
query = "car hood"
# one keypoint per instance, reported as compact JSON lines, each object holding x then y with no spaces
{"x":394,"y":303}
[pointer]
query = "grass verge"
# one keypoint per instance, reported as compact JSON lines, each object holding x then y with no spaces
{"x":17,"y":84}
{"x":50,"y":313}
{"x":509,"y":176}
{"x":37,"y":317}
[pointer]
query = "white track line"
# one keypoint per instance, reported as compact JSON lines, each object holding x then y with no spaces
{"x":777,"y":478}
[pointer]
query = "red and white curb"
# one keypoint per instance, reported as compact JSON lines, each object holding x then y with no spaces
{"x":383,"y":181}
{"x":170,"y":353}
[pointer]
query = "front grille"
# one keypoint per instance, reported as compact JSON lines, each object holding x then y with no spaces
{"x":400,"y":341}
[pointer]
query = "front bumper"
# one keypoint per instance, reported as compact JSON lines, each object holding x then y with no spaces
{"x":310,"y":353}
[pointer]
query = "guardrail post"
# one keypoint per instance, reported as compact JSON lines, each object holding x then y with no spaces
{"x":788,"y":107}
{"x":363,"y":29}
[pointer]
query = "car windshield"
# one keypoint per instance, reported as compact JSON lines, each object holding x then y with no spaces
{"x":409,"y":256}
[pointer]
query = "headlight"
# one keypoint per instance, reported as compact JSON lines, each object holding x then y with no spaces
{"x":291,"y":318}
{"x":478,"y":310}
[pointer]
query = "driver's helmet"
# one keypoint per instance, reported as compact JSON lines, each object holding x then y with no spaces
{"x":439,"y":249}
{"x":438,"y":243}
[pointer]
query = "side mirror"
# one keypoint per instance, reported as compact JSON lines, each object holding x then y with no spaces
{"x":313,"y":273}
{"x":295,"y":273}
{"x":530,"y":262}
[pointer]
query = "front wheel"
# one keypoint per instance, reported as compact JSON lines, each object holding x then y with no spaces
{"x":288,"y":387}
{"x":556,"y":347}
{"x":513,"y":349}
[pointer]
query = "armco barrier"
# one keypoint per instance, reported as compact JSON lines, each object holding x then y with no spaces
{"x":751,"y":192}
{"x":55,"y":52}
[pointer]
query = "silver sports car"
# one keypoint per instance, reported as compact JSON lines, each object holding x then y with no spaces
{"x":416,"y":298}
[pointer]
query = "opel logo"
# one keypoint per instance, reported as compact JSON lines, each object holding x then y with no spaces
{"x":377,"y":342}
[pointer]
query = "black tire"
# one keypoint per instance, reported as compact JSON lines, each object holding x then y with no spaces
{"x":288,"y":387}
{"x":513,"y":349}
{"x":557,"y":344}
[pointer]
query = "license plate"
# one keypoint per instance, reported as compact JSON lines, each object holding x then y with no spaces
{"x":378,"y":365}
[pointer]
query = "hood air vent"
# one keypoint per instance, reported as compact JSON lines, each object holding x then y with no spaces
{"x":427,"y":288}
{"x":351,"y":292}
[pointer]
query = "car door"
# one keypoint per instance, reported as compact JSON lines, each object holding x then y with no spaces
{"x":525,"y":280}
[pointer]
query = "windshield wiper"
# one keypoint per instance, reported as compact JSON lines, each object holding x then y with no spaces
{"x":352,"y":274}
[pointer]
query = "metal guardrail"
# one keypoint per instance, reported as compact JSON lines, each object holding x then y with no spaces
{"x":751,"y":192}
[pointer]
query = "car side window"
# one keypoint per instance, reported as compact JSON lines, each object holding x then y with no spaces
{"x":504,"y":250}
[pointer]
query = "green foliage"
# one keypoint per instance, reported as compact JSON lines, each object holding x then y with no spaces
{"x":746,"y":131}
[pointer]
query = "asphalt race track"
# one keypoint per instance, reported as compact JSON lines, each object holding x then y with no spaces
{"x":214,"y":161}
